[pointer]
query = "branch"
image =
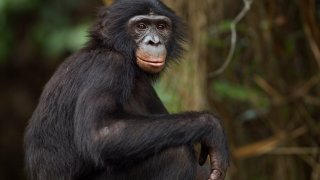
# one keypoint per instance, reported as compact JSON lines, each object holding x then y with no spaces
{"x":233,"y":28}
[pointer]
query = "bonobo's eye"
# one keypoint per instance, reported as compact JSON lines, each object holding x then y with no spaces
{"x":161,"y":26}
{"x":141,"y":26}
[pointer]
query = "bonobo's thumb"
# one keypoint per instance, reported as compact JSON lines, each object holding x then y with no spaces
{"x":203,"y":154}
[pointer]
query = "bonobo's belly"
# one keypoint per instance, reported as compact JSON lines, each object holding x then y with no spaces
{"x":171,"y":164}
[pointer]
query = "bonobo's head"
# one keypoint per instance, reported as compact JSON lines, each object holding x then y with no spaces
{"x":146,"y":32}
{"x":151,"y":34}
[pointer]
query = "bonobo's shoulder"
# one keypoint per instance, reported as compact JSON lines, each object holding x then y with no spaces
{"x":93,"y":67}
{"x":90,"y":53}
{"x":104,"y":61}
{"x":92,"y":57}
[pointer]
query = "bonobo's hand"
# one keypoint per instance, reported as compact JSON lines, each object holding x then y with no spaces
{"x":214,"y":144}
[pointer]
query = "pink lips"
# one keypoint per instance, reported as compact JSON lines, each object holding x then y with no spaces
{"x":156,"y":62}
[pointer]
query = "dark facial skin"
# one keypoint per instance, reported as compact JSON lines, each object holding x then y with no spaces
{"x":151,"y":33}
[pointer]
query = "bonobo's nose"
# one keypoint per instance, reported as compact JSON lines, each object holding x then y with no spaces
{"x":152,"y":40}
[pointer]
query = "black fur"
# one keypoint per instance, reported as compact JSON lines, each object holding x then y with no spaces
{"x":100,"y":118}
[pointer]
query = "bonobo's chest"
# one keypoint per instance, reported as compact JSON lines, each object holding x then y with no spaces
{"x":142,"y":97}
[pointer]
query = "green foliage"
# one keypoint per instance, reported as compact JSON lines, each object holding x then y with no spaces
{"x":17,"y":5}
{"x":219,"y":35}
{"x":51,"y":28}
{"x":56,"y":41}
{"x":222,"y":27}
{"x":215,"y":32}
{"x":5,"y":40}
{"x":290,"y":42}
{"x":238,"y":93}
{"x":169,"y":97}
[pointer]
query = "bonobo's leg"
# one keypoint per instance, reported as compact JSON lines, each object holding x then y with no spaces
{"x":171,"y":164}
{"x":203,"y":172}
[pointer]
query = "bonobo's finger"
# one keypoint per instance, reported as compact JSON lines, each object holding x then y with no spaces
{"x":218,"y":170}
{"x":216,"y":175}
{"x":203,"y":154}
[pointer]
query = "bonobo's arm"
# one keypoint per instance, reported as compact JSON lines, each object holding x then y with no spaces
{"x":102,"y":134}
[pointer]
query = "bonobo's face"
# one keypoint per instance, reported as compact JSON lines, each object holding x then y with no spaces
{"x":151,"y":33}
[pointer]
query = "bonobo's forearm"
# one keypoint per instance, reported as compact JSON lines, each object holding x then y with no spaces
{"x":142,"y":136}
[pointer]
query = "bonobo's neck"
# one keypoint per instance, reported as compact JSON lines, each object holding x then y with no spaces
{"x":151,"y":78}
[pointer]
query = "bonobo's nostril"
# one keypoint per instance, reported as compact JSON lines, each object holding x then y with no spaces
{"x":152,"y":40}
{"x":154,"y":43}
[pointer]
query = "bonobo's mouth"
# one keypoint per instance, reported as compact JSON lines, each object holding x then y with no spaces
{"x":156,"y":62}
{"x":150,"y":61}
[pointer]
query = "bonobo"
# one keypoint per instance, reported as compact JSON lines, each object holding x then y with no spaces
{"x":100,"y":118}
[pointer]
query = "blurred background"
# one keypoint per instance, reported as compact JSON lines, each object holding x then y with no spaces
{"x":268,"y":97}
